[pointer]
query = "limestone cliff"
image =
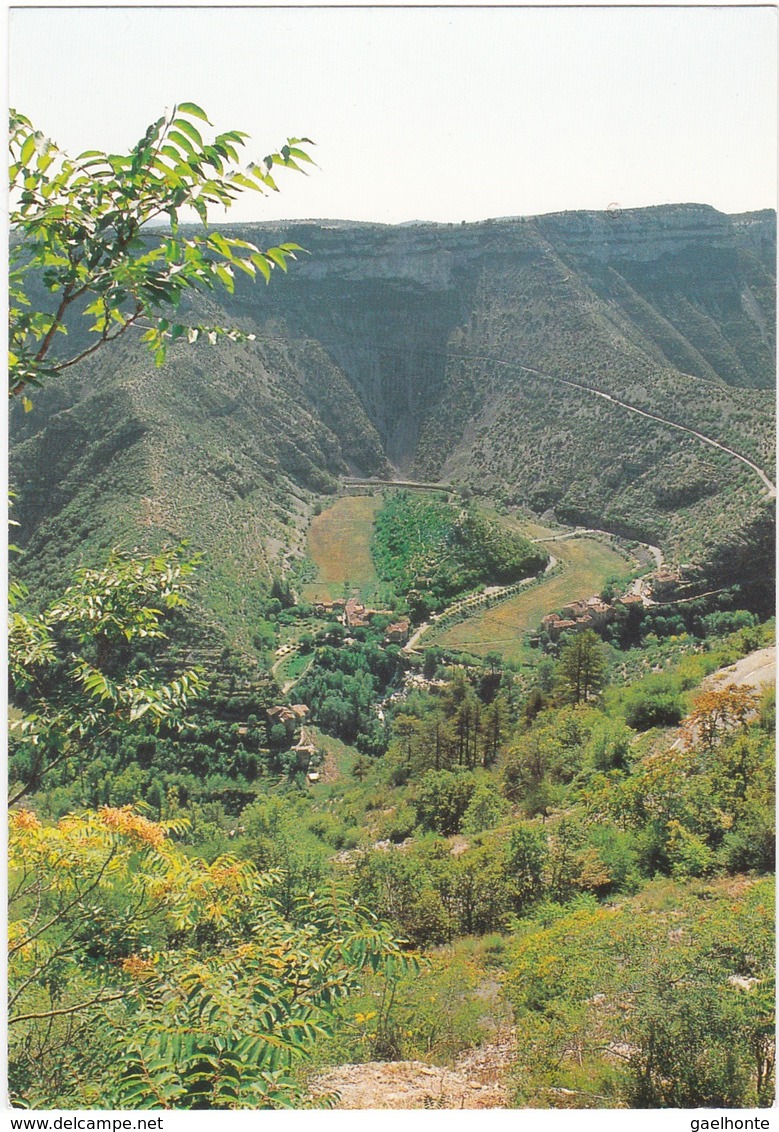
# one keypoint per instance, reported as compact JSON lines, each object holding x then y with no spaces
{"x":468,"y":352}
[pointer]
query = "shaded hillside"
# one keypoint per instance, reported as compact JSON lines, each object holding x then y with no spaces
{"x":222,"y":447}
{"x":404,"y":347}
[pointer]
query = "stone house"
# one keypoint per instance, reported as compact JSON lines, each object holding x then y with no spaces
{"x":397,"y":632}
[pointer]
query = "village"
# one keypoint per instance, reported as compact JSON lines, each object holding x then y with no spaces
{"x":596,"y":612}
{"x":354,"y":615}
{"x":657,"y":588}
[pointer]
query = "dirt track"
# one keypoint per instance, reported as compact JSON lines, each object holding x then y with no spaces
{"x":476,"y":1081}
{"x":758,"y":670}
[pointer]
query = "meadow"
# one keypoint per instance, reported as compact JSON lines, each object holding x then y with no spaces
{"x":339,"y":545}
{"x":586,"y":566}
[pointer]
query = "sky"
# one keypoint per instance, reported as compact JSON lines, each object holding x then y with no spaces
{"x":442,"y":114}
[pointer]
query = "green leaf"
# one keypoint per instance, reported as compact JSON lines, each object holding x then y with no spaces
{"x":246,"y":266}
{"x":28,"y":149}
{"x":300,"y":154}
{"x":194,"y":110}
{"x":278,"y":257}
{"x":242,"y":180}
{"x":261,"y":262}
{"x":185,"y":143}
{"x":190,"y":130}
{"x":225,"y":277}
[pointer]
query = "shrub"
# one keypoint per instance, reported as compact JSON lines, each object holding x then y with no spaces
{"x":398,"y":825}
{"x":442,"y":798}
{"x":485,"y":810}
{"x":653,"y":706}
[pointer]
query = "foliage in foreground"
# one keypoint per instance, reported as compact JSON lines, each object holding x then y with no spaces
{"x":74,"y":677}
{"x":140,"y":977}
{"x":667,"y":1007}
{"x":77,"y":226}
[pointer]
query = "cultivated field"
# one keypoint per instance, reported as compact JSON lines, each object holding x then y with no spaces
{"x":587,"y":564}
{"x":339,"y":544}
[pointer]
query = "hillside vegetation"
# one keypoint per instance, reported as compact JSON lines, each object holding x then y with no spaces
{"x":274,"y":820}
{"x":578,"y":854}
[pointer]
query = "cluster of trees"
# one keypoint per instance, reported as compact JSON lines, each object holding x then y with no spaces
{"x":433,"y":897}
{"x":609,"y":809}
{"x":458,"y":729}
{"x":343,"y":684}
{"x":95,"y":720}
{"x":76,"y":678}
{"x":431,"y":551}
{"x":704,"y":618}
{"x":652,"y":999}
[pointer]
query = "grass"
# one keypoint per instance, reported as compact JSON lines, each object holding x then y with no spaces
{"x":293,"y":666}
{"x":587,"y":564}
{"x":524,"y":525}
{"x":339,"y":760}
{"x":339,"y":545}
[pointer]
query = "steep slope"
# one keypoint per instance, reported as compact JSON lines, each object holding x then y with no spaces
{"x":221,"y":447}
{"x":465,"y":352}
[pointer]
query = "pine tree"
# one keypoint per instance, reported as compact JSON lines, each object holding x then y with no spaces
{"x":581,"y":672}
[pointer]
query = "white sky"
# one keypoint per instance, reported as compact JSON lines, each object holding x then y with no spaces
{"x":430,"y":114}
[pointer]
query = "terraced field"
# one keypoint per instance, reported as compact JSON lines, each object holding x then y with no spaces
{"x":339,"y":544}
{"x":587,"y":564}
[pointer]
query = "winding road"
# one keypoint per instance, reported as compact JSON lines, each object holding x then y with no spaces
{"x":767,"y":483}
{"x":582,"y":532}
{"x":475,"y":600}
{"x":770,"y":487}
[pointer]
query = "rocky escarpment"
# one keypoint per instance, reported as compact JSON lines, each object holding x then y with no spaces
{"x":462,"y":352}
{"x":438,"y":329}
{"x":683,"y":288}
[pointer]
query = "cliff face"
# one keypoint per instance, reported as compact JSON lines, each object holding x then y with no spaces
{"x":436,"y":350}
{"x":685,"y":286}
{"x":641,"y":235}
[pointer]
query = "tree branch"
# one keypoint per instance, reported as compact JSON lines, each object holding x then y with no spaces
{"x":98,"y":1000}
{"x":64,"y":911}
{"x":67,"y":299}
